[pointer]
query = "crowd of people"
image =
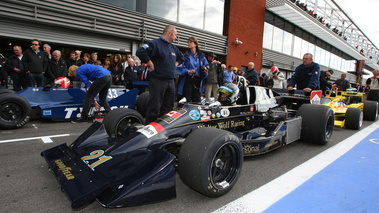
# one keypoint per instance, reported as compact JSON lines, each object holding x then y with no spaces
{"x":172,"y":75}
{"x":38,"y":67}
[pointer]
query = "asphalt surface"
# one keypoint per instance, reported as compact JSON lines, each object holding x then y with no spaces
{"x":27,"y":185}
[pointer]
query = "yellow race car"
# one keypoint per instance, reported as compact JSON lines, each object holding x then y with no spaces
{"x":350,"y":108}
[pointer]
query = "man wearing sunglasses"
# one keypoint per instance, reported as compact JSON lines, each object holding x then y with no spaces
{"x":36,"y":63}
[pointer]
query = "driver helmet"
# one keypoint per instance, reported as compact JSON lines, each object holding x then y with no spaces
{"x":62,"y":82}
{"x":224,"y":95}
{"x":274,"y":70}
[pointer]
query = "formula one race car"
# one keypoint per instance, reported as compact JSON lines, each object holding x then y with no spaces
{"x":350,"y":108}
{"x":120,"y":162}
{"x":53,"y":103}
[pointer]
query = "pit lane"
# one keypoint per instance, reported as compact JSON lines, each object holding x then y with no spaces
{"x":27,"y":185}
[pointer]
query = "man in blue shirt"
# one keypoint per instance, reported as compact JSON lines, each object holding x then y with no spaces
{"x":161,"y":57}
{"x":101,"y":81}
{"x":306,"y":75}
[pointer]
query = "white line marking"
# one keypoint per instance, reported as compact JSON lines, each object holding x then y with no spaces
{"x":266,"y":195}
{"x":45,"y":139}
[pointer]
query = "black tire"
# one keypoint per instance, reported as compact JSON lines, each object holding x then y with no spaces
{"x":14,"y":111}
{"x":210,"y":161}
{"x":317,"y":123}
{"x":116,"y":121}
{"x":142,"y":102}
{"x":354,"y":118}
{"x":6,"y":91}
{"x":370,"y":110}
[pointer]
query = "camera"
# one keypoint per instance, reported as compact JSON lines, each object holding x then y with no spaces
{"x":204,"y":68}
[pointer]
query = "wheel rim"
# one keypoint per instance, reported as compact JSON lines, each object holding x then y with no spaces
{"x":11,"y":111}
{"x":225,"y":166}
{"x":360,"y":119}
{"x":329,"y":127}
{"x":127,"y":122}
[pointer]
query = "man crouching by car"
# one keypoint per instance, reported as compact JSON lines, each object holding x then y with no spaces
{"x":102,"y":80}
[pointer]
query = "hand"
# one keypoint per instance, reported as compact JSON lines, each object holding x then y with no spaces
{"x":290,"y":88}
{"x":206,"y":71}
{"x":97,"y":105}
{"x":192,"y":71}
{"x":151,"y":66}
{"x":307,"y":89}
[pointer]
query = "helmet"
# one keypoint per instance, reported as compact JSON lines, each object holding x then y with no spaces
{"x":274,"y":69}
{"x":224,"y":95}
{"x":62,"y":82}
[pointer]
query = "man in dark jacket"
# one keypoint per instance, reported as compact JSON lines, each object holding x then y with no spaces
{"x":212,"y":81}
{"x":3,"y":72}
{"x":162,"y":57}
{"x":36,"y":62}
{"x":306,"y":75}
{"x":252,"y":75}
{"x":16,"y":66}
{"x":131,"y":73}
{"x":324,"y":77}
{"x":56,"y":67}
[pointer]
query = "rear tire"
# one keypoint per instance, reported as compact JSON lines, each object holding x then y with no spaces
{"x":354,"y":118}
{"x":14,"y":111}
{"x":210,"y":161}
{"x":370,"y":110}
{"x":6,"y":91}
{"x":142,"y":102}
{"x":317,"y":123}
{"x":116,"y":121}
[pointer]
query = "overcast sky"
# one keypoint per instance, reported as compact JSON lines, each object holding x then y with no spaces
{"x":363,"y":13}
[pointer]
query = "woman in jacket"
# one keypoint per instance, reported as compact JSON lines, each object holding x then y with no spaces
{"x":192,"y":72}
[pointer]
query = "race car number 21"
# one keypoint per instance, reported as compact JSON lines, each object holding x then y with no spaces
{"x":97,"y":155}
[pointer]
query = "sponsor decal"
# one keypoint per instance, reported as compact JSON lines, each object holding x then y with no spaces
{"x":151,"y":129}
{"x":194,"y":115}
{"x":66,"y":171}
{"x":225,"y":125}
{"x":47,"y":112}
{"x":316,"y":97}
{"x":174,"y":114}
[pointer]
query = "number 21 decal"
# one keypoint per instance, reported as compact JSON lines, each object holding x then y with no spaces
{"x":97,"y":154}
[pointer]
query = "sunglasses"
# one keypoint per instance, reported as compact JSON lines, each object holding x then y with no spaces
{"x":35,"y":44}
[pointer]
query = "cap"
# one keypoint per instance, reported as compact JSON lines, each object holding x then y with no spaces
{"x":274,"y":69}
{"x":331,"y":71}
{"x":212,"y":54}
{"x":235,"y":68}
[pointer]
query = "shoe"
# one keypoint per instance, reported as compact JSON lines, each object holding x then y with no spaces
{"x":81,"y":120}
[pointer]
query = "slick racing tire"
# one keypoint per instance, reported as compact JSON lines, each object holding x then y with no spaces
{"x":317,"y":123}
{"x":370,"y":110}
{"x":142,"y":103}
{"x":6,"y":91}
{"x":14,"y":111}
{"x":210,"y":161}
{"x":116,"y":121}
{"x":354,"y":118}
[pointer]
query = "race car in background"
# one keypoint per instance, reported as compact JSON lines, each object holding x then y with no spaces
{"x":122,"y":162}
{"x":350,"y":108}
{"x":16,"y":109}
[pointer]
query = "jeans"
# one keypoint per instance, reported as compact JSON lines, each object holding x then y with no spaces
{"x":37,"y":78}
{"x":99,"y":86}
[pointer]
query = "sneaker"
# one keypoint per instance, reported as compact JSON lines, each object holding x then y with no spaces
{"x":81,"y":120}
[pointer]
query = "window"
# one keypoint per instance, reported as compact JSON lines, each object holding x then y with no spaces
{"x":287,"y":43}
{"x":267,"y":36}
{"x":214,"y":16}
{"x":297,"y":47}
{"x":191,"y":13}
{"x":167,"y":9}
{"x":277,"y":43}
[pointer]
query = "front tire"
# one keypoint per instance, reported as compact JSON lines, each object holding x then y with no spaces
{"x":210,"y":161}
{"x":116,"y":121}
{"x":14,"y":111}
{"x":317,"y":123}
{"x":354,"y":118}
{"x":370,"y":110}
{"x":142,"y":102}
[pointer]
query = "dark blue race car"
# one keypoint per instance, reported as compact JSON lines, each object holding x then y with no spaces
{"x":53,"y":103}
{"x":121,"y":162}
